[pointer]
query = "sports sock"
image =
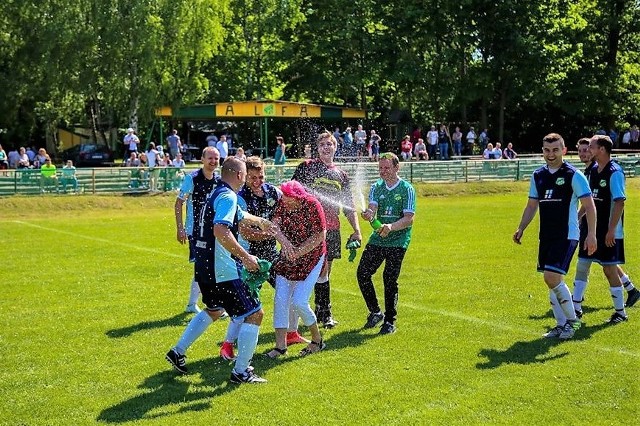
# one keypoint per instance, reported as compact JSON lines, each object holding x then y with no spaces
{"x":198,"y":324}
{"x":558,"y":313}
{"x":194,"y":292}
{"x":233,"y":329}
{"x":579,"y":288}
{"x":626,"y":282}
{"x":247,"y":342}
{"x":618,"y":299}
{"x":564,"y":299}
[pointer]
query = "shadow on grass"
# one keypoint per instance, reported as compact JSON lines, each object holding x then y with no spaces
{"x":585,"y":309}
{"x":533,"y":351}
{"x":173,"y":321}
{"x":168,"y":389}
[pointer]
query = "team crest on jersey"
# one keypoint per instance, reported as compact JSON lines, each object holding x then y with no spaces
{"x":398,"y":197}
{"x":560,"y":181}
{"x":603,"y":183}
{"x":271,"y":202}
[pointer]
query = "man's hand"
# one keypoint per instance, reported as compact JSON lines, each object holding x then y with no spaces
{"x":251,"y":263}
{"x":384,"y":230}
{"x":590,"y":244}
{"x":356,"y":236}
{"x":517,"y":236}
{"x":181,"y":235}
{"x":610,"y":238}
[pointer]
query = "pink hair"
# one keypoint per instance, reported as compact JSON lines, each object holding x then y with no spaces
{"x":294,"y":189}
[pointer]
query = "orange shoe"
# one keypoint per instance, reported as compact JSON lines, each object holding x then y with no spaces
{"x":226,"y":351}
{"x":293,"y":337}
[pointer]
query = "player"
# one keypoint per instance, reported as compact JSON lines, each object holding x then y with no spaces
{"x":555,"y":188}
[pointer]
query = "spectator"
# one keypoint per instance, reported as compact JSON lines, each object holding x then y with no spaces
{"x":443,"y":142}
{"x":14,"y":157}
{"x":626,"y":139}
{"x":347,"y":142}
{"x":31,"y":154}
{"x":374,"y":144}
{"x":133,"y":160}
{"x":153,"y":162}
{"x":4,"y":162}
{"x":23,"y":160}
{"x":497,"y":151}
{"x":240,"y":154}
{"x":613,"y":135}
{"x":487,"y":154}
{"x":280,"y":157}
{"x":417,"y":134}
{"x":69,"y":177}
{"x":420,"y":150}
{"x":40,"y":158}
{"x":361,"y":137}
{"x":635,"y":135}
{"x":178,"y":162}
{"x":130,"y":141}
{"x":223,"y":148}
{"x":457,"y":142}
{"x":48,"y":175}
{"x":174,"y":143}
{"x":338,"y":137}
{"x":509,"y":153}
{"x":405,"y":148}
{"x":432,"y":141}
{"x":212,"y":140}
{"x":484,"y":139}
{"x":471,"y":141}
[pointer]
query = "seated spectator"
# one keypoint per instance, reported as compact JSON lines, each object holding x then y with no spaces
{"x":40,"y":158}
{"x":69,"y":177}
{"x":497,"y":151}
{"x":178,"y":162}
{"x":420,"y":150}
{"x":487,"y":154}
{"x":13,"y":158}
{"x":240,"y":154}
{"x":48,"y":175}
{"x":136,"y":174}
{"x":23,"y":160}
{"x":132,"y":161}
{"x":509,"y":153}
{"x":405,"y":148}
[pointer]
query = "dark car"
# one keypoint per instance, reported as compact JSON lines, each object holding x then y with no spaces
{"x":89,"y":155}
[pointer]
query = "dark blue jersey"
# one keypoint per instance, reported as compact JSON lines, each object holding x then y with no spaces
{"x":557,"y":194}
{"x":607,"y":186}
{"x":263,"y":207}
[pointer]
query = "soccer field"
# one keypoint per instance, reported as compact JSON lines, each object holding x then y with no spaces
{"x":94,"y":290}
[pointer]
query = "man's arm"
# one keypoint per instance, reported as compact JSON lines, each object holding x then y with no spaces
{"x":404,"y":222}
{"x":180,"y":231}
{"x":590,"y":212}
{"x":616,"y":215}
{"x":225,"y":237}
{"x":527,"y":216}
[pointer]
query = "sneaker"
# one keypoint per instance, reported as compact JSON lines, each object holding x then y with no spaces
{"x":247,"y":377}
{"x":193,"y":309}
{"x":569,"y":329}
{"x":177,"y":361}
{"x":387,"y":328}
{"x":226,"y":351}
{"x":554,"y":332}
{"x":617,"y":318}
{"x":632,"y":298}
{"x":329,"y":322}
{"x":373,"y":319}
{"x":579,"y":313}
{"x":293,"y":337}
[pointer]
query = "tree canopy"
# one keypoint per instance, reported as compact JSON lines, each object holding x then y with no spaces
{"x":521,"y":68}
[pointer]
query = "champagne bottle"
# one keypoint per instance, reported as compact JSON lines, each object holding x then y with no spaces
{"x":375,"y":223}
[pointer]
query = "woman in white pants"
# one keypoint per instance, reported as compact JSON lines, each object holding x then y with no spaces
{"x":301,"y":229}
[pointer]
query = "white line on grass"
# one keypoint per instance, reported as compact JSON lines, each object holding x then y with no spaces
{"x":492,"y":324}
{"x":421,"y":308}
{"x":101,"y":240}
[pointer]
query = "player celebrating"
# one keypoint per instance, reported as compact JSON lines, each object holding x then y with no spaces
{"x":331,"y":186}
{"x":555,"y":188}
{"x":584,"y":263}
{"x":194,"y":190}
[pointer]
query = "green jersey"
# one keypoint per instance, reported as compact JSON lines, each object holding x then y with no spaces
{"x":392,"y":204}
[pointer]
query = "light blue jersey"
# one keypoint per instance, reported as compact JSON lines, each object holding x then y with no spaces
{"x":228,"y":213}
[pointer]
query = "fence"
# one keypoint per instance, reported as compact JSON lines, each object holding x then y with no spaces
{"x":134,"y":180}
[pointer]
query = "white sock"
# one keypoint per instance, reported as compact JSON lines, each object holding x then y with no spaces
{"x":579,"y":288}
{"x":194,"y":293}
{"x":618,"y":299}
{"x":198,"y":324}
{"x":247,"y":342}
{"x":626,"y":282}
{"x":564,"y":299}
{"x":233,"y":329}
{"x":558,"y":313}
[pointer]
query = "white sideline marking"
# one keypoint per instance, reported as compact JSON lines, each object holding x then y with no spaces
{"x":500,"y":326}
{"x":449,"y":314}
{"x":101,"y":240}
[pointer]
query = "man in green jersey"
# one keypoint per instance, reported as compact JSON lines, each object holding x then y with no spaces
{"x":393,"y":202}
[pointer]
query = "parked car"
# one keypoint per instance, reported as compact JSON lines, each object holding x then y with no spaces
{"x":89,"y":155}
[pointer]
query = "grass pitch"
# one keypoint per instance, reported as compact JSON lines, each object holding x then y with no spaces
{"x":94,"y":289}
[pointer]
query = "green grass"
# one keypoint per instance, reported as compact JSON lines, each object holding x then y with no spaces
{"x":94,"y":288}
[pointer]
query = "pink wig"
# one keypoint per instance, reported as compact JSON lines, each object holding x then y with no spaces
{"x":294,"y":189}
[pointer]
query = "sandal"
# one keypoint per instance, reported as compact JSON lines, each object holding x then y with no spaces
{"x":276,"y":353}
{"x":318,"y":347}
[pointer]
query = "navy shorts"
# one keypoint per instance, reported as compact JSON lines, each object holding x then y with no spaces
{"x":605,"y":255}
{"x":192,"y":249}
{"x":334,"y":244}
{"x":233,"y":296}
{"x":555,"y":255}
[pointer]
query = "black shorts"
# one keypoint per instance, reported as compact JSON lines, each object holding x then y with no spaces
{"x":233,"y":296}
{"x":556,"y":255}
{"x":192,"y":249}
{"x":334,"y":244}
{"x":605,"y":255}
